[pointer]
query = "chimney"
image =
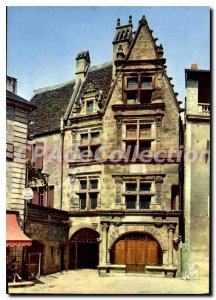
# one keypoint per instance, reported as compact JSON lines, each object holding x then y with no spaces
{"x":12,"y":84}
{"x":82,"y":65}
{"x":194,"y":67}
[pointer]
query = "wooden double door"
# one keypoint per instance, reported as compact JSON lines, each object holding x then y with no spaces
{"x":136,"y":250}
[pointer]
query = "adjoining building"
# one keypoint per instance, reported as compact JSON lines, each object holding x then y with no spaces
{"x":123,"y":215}
{"x":197,"y":169}
{"x":17,"y":110}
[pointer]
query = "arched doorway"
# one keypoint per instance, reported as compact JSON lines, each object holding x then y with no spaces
{"x":136,"y":250}
{"x":84,"y":249}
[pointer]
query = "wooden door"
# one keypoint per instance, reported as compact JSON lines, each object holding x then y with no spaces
{"x":141,"y":255}
{"x":152,"y":253}
{"x":136,"y":252}
{"x":130,"y":259}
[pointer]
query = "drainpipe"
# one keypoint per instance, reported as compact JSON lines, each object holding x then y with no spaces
{"x":62,"y":160}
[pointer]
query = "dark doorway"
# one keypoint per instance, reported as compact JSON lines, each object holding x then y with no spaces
{"x":61,"y":257}
{"x":84,"y":249}
{"x":32,"y":258}
{"x":136,"y":250}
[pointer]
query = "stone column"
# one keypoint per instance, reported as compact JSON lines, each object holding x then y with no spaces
{"x":171,"y":230}
{"x":158,"y":122}
{"x":118,"y":181}
{"x":119,"y":132}
{"x":158,"y":184}
{"x":103,"y":258}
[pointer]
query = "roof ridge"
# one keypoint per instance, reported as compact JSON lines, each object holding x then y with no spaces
{"x":57,"y":86}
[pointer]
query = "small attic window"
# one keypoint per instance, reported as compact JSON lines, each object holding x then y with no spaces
{"x":90,"y":106}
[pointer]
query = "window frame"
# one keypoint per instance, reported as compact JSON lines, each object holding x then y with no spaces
{"x":86,"y":106}
{"x":137,"y":139}
{"x":89,"y":144}
{"x":139,"y":89}
{"x":88,"y":192}
{"x":138,"y":193}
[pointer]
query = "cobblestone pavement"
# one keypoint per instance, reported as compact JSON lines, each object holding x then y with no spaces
{"x":88,"y":282}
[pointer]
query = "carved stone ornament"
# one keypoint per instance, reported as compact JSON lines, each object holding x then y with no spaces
{"x":158,"y":183}
{"x":105,"y":226}
{"x":119,"y":131}
{"x":89,"y":92}
{"x":171,"y":227}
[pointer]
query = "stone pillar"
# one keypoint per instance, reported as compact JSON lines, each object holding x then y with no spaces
{"x":158,"y":183}
{"x":119,"y":132}
{"x":118,"y":182}
{"x":108,"y":256}
{"x":158,"y":129}
{"x":165,"y":257}
{"x":103,"y":253}
{"x":171,"y":230}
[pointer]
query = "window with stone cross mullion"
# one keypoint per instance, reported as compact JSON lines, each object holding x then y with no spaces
{"x":90,"y":192}
{"x":138,"y":140}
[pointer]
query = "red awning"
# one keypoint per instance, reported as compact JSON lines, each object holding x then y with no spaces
{"x":15,"y":237}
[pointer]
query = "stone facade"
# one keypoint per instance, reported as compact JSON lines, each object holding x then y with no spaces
{"x":101,"y":111}
{"x":197,"y":171}
{"x":17,"y":110}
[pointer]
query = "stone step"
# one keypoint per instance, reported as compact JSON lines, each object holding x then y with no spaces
{"x":20,"y":284}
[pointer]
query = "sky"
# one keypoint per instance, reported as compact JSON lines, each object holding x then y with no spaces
{"x":42,"y":42}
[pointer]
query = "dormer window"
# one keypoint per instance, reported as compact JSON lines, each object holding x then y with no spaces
{"x":90,"y":107}
{"x":138,"y":89}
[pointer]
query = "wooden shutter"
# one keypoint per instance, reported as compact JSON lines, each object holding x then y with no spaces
{"x":35,"y":197}
{"x":39,"y":160}
{"x":50,"y":200}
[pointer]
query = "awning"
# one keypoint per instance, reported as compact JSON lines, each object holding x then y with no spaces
{"x":15,"y":237}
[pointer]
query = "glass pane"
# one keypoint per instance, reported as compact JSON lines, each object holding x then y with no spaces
{"x":83,"y":201}
{"x":144,"y":146}
{"x":145,"y":131}
{"x":131,"y":187}
{"x":131,"y":131}
{"x":93,"y":201}
{"x":146,"y":82}
{"x":131,"y":97}
{"x":132,"y":83}
{"x":145,"y":187}
{"x":130,"y":202}
{"x":84,"y":138}
{"x":145,"y":202}
{"x":130,"y":150}
{"x":90,"y":107}
{"x":83,"y":185}
{"x":95,"y":134}
{"x":93,"y":184}
{"x":145,"y":97}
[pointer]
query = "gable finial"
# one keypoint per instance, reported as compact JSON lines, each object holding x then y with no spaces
{"x":118,"y":22}
{"x":143,"y":20}
{"x":130,"y":19}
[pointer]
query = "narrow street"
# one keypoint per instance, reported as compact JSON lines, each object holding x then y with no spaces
{"x":88,"y":282}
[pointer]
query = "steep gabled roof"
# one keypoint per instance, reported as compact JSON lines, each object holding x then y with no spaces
{"x":51,"y":105}
{"x":100,"y":77}
{"x":54,"y":102}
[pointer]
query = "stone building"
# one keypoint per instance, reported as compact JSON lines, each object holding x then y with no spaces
{"x":124,"y":213}
{"x":197,"y":170}
{"x":17,"y":110}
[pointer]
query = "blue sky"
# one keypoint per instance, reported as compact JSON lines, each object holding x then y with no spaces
{"x":42,"y":42}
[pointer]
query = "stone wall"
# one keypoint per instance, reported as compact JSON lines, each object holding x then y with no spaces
{"x":16,"y":138}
